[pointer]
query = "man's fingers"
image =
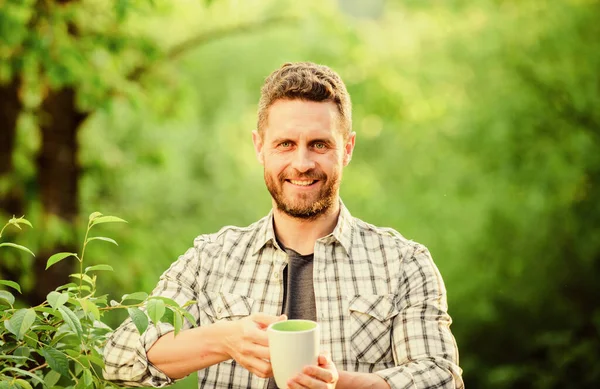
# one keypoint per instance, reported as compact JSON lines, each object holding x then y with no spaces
{"x":302,"y":381}
{"x":264,"y":320}
{"x":259,"y":367}
{"x":324,"y":360}
{"x":262,"y":352}
{"x":319,"y":373}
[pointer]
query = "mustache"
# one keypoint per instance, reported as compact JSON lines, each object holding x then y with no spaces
{"x":310,"y":175}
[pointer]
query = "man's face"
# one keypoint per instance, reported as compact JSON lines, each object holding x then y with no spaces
{"x":303,"y":153}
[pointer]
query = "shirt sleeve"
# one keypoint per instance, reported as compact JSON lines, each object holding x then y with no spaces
{"x":125,"y":357}
{"x":424,"y":349}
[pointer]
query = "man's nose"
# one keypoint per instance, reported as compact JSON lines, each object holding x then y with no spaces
{"x":303,"y":161}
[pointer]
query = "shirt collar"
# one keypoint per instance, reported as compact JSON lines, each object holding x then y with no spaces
{"x":265,"y":233}
{"x":342,"y":232}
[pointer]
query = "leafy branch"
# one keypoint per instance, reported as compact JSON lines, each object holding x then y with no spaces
{"x":59,"y":342}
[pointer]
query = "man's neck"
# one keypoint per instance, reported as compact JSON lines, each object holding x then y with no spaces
{"x":300,"y":235}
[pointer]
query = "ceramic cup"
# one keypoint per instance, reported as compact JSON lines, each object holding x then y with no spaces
{"x":293,"y":344}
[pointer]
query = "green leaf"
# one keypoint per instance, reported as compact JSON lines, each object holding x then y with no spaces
{"x":83,"y":277}
{"x":56,"y":360}
{"x":137,"y":296}
{"x":89,"y":307}
{"x":169,"y":302}
{"x":25,"y":373}
{"x":31,"y":339}
{"x":51,"y":378}
{"x":67,"y":286}
{"x":22,"y":352}
{"x":94,"y":215}
{"x":156,"y":309}
{"x":43,"y":327}
{"x":139,"y":318}
{"x":102,"y":238}
{"x":11,"y":284}
{"x":191,"y":319}
{"x":20,"y":220}
{"x":177,"y":321}
{"x":58,"y":257}
{"x":47,"y":310}
{"x":17,"y":246}
{"x":191,"y":302}
{"x":56,"y":299}
{"x":71,"y":319}
{"x":73,"y":353}
{"x":23,"y":384}
{"x":87,"y":378}
{"x":98,"y":267}
{"x":107,"y":219}
{"x":20,"y":322}
{"x":76,"y":288}
{"x":167,"y":317}
{"x":17,"y":358}
{"x":96,"y":361}
{"x":7,"y":296}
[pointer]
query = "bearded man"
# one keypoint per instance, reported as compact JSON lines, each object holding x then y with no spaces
{"x":378,"y":297}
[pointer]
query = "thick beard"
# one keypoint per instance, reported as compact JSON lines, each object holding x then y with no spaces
{"x":326,"y":200}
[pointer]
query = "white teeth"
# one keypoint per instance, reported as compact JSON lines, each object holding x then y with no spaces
{"x":302,"y":183}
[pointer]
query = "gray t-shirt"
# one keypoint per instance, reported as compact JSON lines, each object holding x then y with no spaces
{"x":298,"y":290}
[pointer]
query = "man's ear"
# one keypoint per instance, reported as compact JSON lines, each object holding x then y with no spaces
{"x":349,"y":148}
{"x":258,"y":146}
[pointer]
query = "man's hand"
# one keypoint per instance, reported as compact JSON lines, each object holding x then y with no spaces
{"x":248,"y":344}
{"x":324,"y":376}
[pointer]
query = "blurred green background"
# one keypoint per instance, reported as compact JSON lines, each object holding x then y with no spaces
{"x":478,"y":134}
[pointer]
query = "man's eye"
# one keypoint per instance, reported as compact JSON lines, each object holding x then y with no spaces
{"x":320,"y":146}
{"x":285,"y":144}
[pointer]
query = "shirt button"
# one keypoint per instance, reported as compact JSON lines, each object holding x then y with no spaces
{"x":219,"y":309}
{"x":275,"y":275}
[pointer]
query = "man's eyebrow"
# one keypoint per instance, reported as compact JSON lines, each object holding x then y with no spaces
{"x":281,"y":139}
{"x":322,"y":140}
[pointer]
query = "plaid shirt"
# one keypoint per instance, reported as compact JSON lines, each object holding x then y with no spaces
{"x":380,"y":300}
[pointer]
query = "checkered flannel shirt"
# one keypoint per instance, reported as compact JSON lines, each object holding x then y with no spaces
{"x":380,"y":300}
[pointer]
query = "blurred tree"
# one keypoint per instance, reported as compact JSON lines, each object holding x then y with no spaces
{"x":62,"y":61}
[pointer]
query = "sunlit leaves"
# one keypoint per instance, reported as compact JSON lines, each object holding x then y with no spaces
{"x":56,"y":299}
{"x":56,"y":360}
{"x":107,"y":219}
{"x":66,"y":330}
{"x":102,"y":238}
{"x":51,"y":378}
{"x":58,"y":257}
{"x":7,"y":297}
{"x":136,"y":296}
{"x":19,"y":247}
{"x":20,"y":322}
{"x":71,"y":320}
{"x":11,"y":284}
{"x":155,"y":309}
{"x":139,"y":318}
{"x":99,"y":268}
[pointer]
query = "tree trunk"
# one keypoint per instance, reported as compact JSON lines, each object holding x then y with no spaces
{"x":11,"y":198}
{"x":57,"y":175}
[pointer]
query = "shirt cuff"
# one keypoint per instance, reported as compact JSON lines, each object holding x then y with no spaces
{"x":397,"y":378}
{"x":158,"y":378}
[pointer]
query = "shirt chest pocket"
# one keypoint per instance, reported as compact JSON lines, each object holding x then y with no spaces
{"x":371,"y":320}
{"x":214,"y":307}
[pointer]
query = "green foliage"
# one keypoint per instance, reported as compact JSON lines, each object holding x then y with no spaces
{"x":59,"y":342}
{"x":477,"y":135}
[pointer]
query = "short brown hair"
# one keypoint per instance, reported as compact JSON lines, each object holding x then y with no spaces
{"x":305,"y":81}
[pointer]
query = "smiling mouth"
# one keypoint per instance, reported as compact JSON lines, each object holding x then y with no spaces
{"x":302,"y":182}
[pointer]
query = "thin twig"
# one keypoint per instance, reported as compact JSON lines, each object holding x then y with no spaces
{"x":38,"y":367}
{"x":183,"y":47}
